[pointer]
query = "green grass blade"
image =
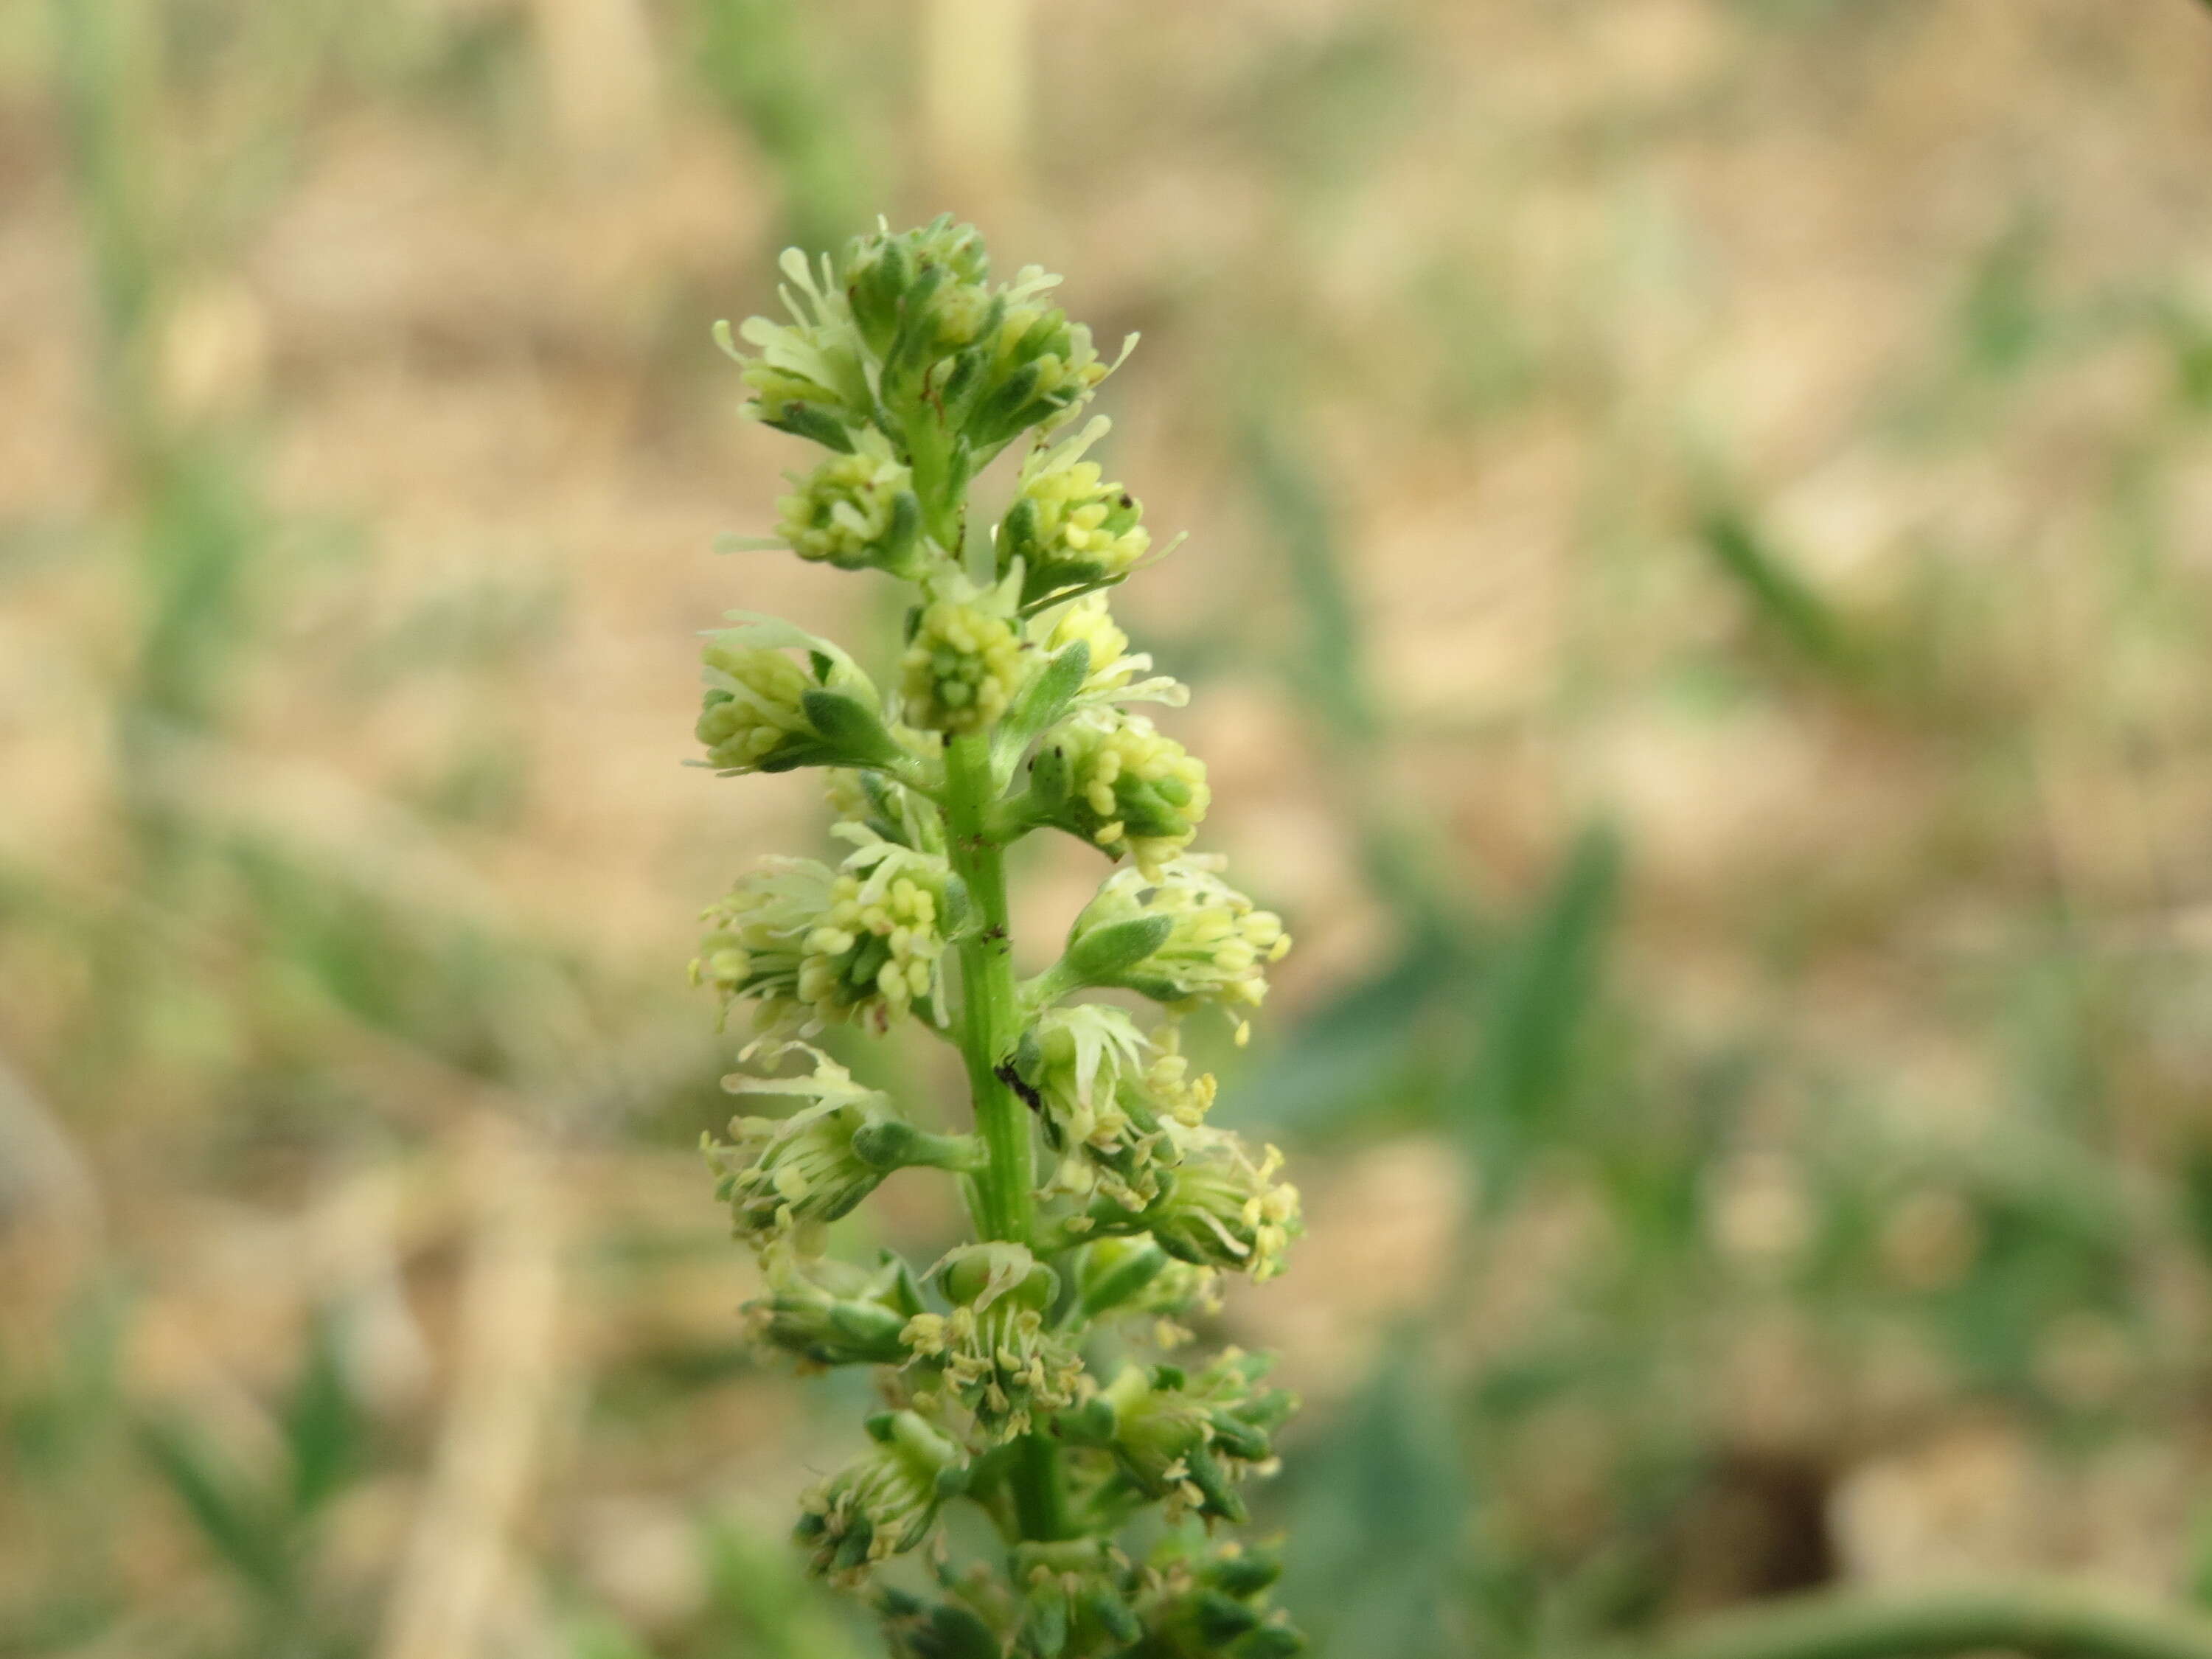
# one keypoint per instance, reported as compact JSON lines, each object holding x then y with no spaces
{"x":230,"y":1515}
{"x":1781,"y":601}
{"x":322,"y":1427}
{"x":1540,"y":989}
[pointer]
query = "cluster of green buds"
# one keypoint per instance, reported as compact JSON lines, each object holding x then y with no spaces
{"x":1025,"y":1371}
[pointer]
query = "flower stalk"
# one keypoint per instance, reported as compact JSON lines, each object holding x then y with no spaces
{"x":1027,"y":1372}
{"x":1001,"y":1189}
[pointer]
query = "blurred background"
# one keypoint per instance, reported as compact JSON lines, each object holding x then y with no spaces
{"x":1699,"y":594}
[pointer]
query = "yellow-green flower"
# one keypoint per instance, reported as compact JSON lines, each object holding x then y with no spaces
{"x":1112,"y":1102}
{"x":883,"y":1505}
{"x":857,"y":511}
{"x":778,"y":1173}
{"x":862,"y":944}
{"x":991,"y":1351}
{"x":1041,"y":369}
{"x":1068,"y":526}
{"x":753,"y":714}
{"x":831,"y":1313}
{"x":762,"y":712}
{"x":1224,"y":1210}
{"x":941,"y":270}
{"x":1131,"y":789}
{"x":808,"y":376}
{"x":1185,"y":1438}
{"x":1111,"y":676}
{"x":1217,"y":946}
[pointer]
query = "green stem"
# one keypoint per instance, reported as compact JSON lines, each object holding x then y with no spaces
{"x":2049,"y":1621}
{"x":1000,"y":1192}
{"x":1040,"y":1497}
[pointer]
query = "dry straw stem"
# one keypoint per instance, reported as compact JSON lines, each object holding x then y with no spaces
{"x":2046,"y":1620}
{"x":452,"y":1583}
{"x":600,"y":76}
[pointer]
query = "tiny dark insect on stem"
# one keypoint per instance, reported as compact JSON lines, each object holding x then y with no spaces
{"x":1004,"y":1071}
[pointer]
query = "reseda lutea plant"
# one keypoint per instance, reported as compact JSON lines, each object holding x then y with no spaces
{"x":1105,"y":1206}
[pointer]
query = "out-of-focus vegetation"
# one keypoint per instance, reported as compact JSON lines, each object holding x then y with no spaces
{"x":1699,"y":517}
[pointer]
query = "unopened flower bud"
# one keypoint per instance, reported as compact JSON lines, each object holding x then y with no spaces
{"x":939,"y":1630}
{"x":1215,"y":1604}
{"x":889,"y":277}
{"x":1242,"y":1572}
{"x":1077,"y":1596}
{"x":1274,"y":1637}
{"x":1110,"y":1271}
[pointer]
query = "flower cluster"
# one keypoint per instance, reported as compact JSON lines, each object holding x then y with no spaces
{"x":991,"y":1351}
{"x":963,"y":664}
{"x":763,"y":713}
{"x":1213,"y":945}
{"x":1068,"y":525}
{"x":1114,"y":1105}
{"x":913,"y":329}
{"x":1225,"y":1210}
{"x":818,"y":947}
{"x":856,"y":511}
{"x":1110,"y":667}
{"x":830,"y":1313}
{"x":1130,"y":789}
{"x":1105,"y":1207}
{"x":1185,"y":1439}
{"x":884,"y":1503}
{"x":778,"y":1172}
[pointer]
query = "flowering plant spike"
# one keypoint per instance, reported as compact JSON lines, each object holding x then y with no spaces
{"x":1034,"y":1375}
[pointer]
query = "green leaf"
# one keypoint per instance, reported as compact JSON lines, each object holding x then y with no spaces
{"x":321,"y":1426}
{"x":1540,"y":991}
{"x":235,"y":1519}
{"x":1330,"y":662}
{"x":1782,"y":601}
{"x":1386,"y":1038}
{"x":1378,"y":1539}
